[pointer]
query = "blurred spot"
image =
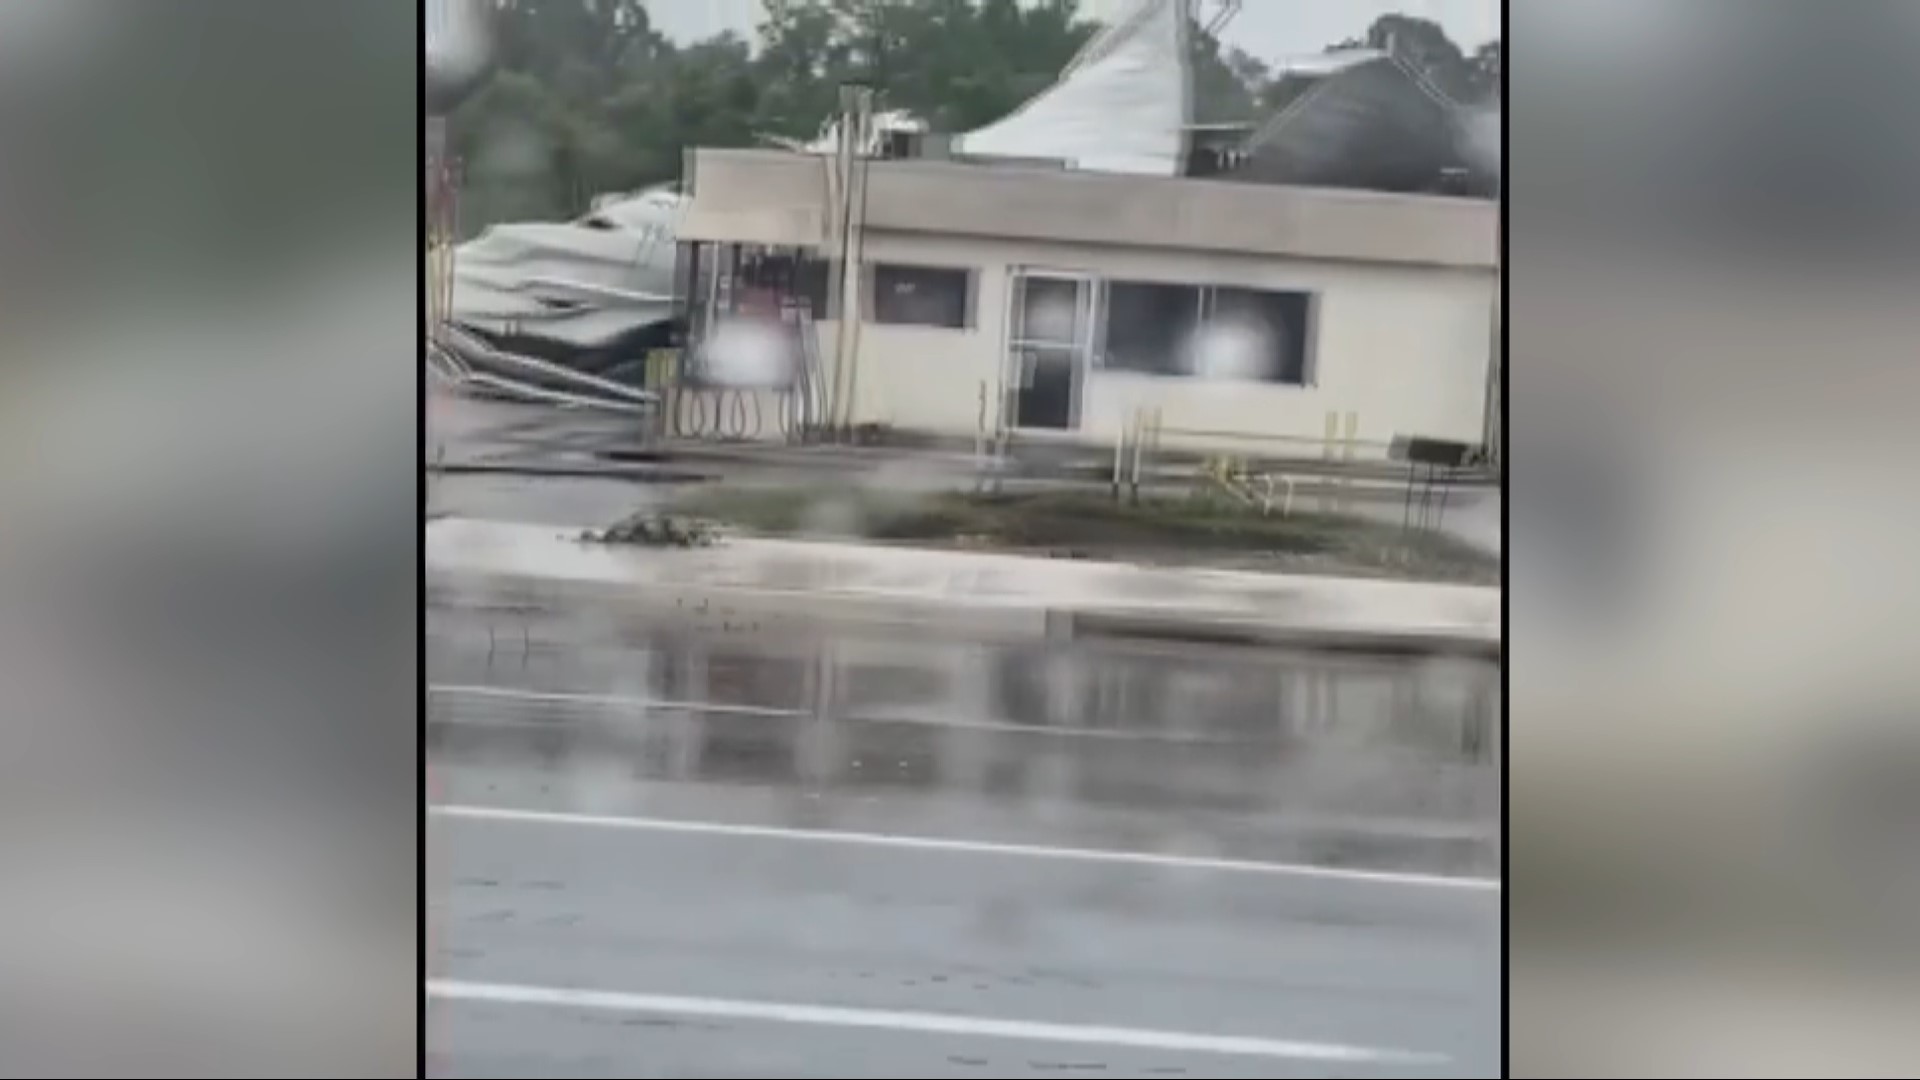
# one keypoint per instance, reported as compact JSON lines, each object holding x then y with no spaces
{"x":1238,"y":351}
{"x":747,"y":353}
{"x":1578,"y":558}
{"x":459,"y":49}
{"x":210,"y":498}
{"x":1714,"y":703}
{"x":42,"y":39}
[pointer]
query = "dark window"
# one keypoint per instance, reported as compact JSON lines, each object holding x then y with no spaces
{"x":922,"y":296}
{"x":811,"y":285}
{"x":1150,"y":326}
{"x":1257,"y":335}
{"x":793,"y":279}
{"x":1209,"y":332}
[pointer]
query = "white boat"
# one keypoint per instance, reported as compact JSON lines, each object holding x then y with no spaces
{"x":566,"y":308}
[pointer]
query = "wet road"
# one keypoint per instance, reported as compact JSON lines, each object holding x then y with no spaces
{"x":673,"y":851}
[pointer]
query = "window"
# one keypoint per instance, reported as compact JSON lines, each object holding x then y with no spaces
{"x":792,"y":278}
{"x":1256,"y":335}
{"x":1213,"y":332}
{"x":1150,"y":326}
{"x":922,"y":296}
{"x":812,"y":284}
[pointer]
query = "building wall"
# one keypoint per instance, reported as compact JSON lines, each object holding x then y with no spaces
{"x":760,"y":196}
{"x":1406,"y":349}
{"x":1405,"y":289}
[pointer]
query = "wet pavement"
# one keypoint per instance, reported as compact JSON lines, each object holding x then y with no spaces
{"x":673,"y":847}
{"x":749,"y":934}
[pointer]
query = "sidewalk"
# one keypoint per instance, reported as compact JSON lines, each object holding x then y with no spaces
{"x":975,"y":593}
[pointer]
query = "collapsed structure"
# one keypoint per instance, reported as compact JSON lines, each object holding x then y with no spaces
{"x":1061,"y":273}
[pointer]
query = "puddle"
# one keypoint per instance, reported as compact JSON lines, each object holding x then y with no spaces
{"x":1118,"y":728}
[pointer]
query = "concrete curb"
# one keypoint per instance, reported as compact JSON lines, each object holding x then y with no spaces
{"x":634,"y":472}
{"x":965,"y":594}
{"x":1373,"y":640}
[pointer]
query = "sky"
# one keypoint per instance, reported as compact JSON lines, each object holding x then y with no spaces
{"x":1269,"y":29}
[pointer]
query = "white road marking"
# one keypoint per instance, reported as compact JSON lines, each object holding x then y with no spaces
{"x":922,"y":1023}
{"x":606,"y":701}
{"x":627,"y":703}
{"x":960,"y":847}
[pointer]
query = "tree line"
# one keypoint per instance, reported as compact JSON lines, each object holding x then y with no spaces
{"x":589,"y":96}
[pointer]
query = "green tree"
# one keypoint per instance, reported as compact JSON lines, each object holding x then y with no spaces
{"x":959,"y":64}
{"x":581,"y":47}
{"x":1225,"y":82}
{"x":1487,"y":66}
{"x":1424,"y":45}
{"x":590,"y":97}
{"x":542,"y":136}
{"x":1470,"y":79}
{"x":800,"y":54}
{"x":1252,"y":71}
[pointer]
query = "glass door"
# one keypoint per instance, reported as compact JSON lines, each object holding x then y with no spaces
{"x":1050,"y":347}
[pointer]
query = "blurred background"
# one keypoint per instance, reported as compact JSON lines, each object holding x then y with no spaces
{"x":1715,"y":757}
{"x":208,"y":401}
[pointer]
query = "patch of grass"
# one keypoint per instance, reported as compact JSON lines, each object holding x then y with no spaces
{"x":1086,"y":524}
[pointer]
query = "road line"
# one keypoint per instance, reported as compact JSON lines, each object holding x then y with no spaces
{"x":921,"y":1023}
{"x":959,"y":847}
{"x":626,"y":703}
{"x":607,"y":701}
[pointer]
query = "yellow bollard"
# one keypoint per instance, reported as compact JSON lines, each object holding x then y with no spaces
{"x":1329,"y":453}
{"x":1347,"y":456}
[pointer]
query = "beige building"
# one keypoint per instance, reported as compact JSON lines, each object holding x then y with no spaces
{"x":1060,"y":305}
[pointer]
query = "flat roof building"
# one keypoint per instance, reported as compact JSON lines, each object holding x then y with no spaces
{"x":1059,"y":304}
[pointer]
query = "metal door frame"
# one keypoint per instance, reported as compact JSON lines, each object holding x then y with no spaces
{"x":1088,"y":301}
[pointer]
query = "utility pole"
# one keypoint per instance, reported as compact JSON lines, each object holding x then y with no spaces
{"x":856,"y":111}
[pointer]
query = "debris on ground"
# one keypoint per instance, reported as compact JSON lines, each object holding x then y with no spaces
{"x":650,"y":529}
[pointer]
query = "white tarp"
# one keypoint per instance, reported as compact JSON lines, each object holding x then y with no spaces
{"x":581,"y":283}
{"x":1319,"y":65}
{"x":882,"y":126}
{"x":1122,"y":106}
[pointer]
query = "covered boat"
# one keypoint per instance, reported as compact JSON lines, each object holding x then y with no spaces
{"x":567,"y":308}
